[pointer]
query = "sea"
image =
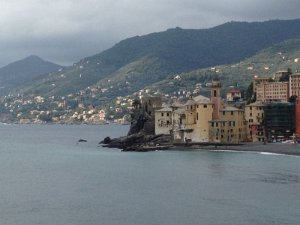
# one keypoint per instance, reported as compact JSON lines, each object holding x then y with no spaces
{"x":47,"y":177}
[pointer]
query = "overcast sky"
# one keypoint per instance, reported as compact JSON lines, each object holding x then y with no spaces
{"x":65,"y":31}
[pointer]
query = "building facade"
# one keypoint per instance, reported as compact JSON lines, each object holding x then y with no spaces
{"x":215,"y":97}
{"x":230,"y":128}
{"x":233,"y":94}
{"x":272,"y":91}
{"x":279,"y":120}
{"x":197,"y":112}
{"x":163,"y":120}
{"x":297,"y":117}
{"x":294,"y":89}
{"x":254,"y":114}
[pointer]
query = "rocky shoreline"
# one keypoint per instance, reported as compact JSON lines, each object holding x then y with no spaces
{"x":139,"y":142}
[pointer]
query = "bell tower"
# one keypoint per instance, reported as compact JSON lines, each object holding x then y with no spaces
{"x":215,"y":97}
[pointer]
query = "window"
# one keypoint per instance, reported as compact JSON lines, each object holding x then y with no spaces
{"x":162,"y":114}
{"x":205,"y":106}
{"x":168,"y":114}
{"x":231,"y":113}
{"x":215,"y":93}
{"x":197,"y":116}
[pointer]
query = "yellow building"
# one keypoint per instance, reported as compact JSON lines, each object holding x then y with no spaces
{"x":254,"y":114}
{"x":229,"y":128}
{"x":193,"y":124}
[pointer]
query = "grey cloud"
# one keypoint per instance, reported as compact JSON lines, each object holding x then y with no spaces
{"x":65,"y":31}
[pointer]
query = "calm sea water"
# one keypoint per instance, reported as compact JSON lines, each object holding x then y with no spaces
{"x":48,"y":178}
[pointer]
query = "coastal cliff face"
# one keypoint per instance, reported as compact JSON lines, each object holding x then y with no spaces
{"x":141,"y":122}
{"x":141,"y":135}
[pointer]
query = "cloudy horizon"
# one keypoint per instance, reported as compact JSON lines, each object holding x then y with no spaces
{"x":65,"y":31}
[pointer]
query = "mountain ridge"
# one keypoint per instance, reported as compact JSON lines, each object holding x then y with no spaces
{"x":24,"y":70}
{"x":139,"y":61}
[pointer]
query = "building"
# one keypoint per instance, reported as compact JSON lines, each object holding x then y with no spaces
{"x":272,"y":91}
{"x":202,"y":120}
{"x":279,"y":120}
{"x":215,"y":97}
{"x":229,"y":128}
{"x":297,"y":117}
{"x":294,"y":89}
{"x":254,"y":114}
{"x":233,"y":94}
{"x":204,"y":112}
{"x":178,"y":121}
{"x":193,"y":125}
{"x":163,"y":120}
{"x":260,"y":80}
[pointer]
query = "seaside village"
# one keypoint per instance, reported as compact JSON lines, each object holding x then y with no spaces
{"x":270,"y":118}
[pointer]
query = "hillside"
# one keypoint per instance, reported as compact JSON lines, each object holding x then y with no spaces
{"x":265,"y":63}
{"x":23,"y":71}
{"x":143,"y":60}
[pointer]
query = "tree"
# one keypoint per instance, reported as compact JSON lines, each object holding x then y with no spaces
{"x":250,"y":96}
{"x":286,"y":76}
{"x":46,"y":118}
{"x":136,"y":103}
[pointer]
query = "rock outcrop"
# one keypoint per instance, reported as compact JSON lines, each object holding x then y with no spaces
{"x":141,"y":135}
{"x":139,"y":142}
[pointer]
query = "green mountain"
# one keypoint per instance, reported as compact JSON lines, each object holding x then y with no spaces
{"x":279,"y":57}
{"x":23,"y":71}
{"x":143,"y":60}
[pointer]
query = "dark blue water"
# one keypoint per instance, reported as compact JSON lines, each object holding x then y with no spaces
{"x":48,"y":178}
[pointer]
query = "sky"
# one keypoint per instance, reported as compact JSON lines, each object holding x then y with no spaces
{"x":65,"y":31}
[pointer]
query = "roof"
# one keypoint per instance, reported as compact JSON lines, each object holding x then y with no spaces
{"x":230,"y":108}
{"x":177,"y":105}
{"x":165,"y":109}
{"x":295,"y":74}
{"x":190,"y":102}
{"x":258,"y":103}
{"x":234,"y":90}
{"x":180,"y":111}
{"x":201,"y":99}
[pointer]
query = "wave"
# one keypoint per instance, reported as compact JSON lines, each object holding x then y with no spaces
{"x":234,"y":151}
{"x":255,"y":152}
{"x":270,"y":153}
{"x":277,"y":154}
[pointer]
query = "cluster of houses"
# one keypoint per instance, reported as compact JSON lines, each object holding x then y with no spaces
{"x":213,"y":120}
